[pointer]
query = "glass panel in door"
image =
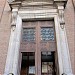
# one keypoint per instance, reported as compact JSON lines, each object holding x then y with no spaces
{"x":28,"y":63}
{"x":47,"y":63}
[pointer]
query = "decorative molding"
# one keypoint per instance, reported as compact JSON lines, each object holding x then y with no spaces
{"x":36,"y":14}
{"x":24,"y":3}
{"x":10,"y":1}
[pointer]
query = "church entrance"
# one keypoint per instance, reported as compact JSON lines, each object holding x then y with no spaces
{"x":38,"y":48}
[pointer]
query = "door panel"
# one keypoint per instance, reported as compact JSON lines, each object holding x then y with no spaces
{"x":47,"y":63}
{"x":43,"y":34}
{"x":38,"y":36}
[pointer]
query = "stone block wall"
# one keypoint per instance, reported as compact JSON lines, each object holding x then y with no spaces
{"x":5,"y":16}
{"x":70,"y":30}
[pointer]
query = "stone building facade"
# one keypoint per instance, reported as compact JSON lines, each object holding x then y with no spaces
{"x":14,"y":14}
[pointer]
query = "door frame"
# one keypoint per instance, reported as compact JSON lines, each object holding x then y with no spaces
{"x":38,"y":26}
{"x":49,"y":15}
{"x":57,"y":24}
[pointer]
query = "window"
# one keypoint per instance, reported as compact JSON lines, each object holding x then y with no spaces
{"x":47,"y":33}
{"x":29,"y":34}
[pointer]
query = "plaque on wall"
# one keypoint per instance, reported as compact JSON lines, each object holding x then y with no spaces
{"x":31,"y":69}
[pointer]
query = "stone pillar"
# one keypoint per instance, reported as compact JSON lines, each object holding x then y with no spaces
{"x":17,"y":46}
{"x":64,"y":44}
{"x":12,"y":43}
{"x":59,"y":53}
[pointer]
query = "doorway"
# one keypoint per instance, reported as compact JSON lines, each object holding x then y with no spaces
{"x":38,"y":37}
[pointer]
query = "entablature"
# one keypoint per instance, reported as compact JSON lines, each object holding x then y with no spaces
{"x":36,"y":3}
{"x":37,"y":9}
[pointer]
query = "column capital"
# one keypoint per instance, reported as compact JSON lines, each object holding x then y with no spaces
{"x":14,"y":18}
{"x":61,"y":15}
{"x":61,"y":2}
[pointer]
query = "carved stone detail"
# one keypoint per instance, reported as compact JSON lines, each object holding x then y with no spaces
{"x":14,"y":18}
{"x":61,"y":16}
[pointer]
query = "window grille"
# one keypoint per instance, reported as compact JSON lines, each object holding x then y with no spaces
{"x":29,"y":34}
{"x":47,"y":33}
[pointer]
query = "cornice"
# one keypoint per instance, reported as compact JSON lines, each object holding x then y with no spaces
{"x":61,"y":2}
{"x":20,"y":3}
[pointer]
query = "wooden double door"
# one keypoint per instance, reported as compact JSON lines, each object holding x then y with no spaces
{"x":38,"y":48}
